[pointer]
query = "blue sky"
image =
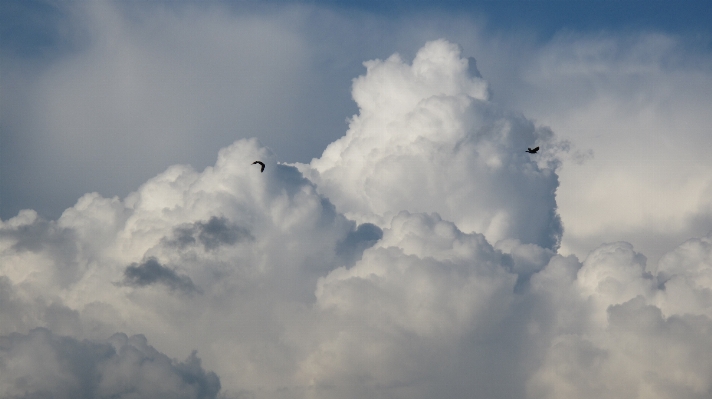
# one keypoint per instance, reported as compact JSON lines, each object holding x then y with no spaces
{"x":400,"y":242}
{"x":31,"y":27}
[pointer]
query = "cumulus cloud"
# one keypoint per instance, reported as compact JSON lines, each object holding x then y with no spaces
{"x":415,"y":259}
{"x":41,"y":364}
{"x":178,"y":82}
{"x":618,"y":332}
{"x":419,"y":303}
{"x":253,"y":243}
{"x":427,"y":139}
{"x":636,"y":100}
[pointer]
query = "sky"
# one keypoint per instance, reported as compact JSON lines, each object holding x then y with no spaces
{"x":400,"y":242}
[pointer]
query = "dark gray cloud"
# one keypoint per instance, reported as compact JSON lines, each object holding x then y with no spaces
{"x":41,"y":364}
{"x":352,"y":247}
{"x":211,"y":234}
{"x":152,"y":272}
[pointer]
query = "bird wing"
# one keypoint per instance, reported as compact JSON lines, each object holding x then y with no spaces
{"x":262,"y":168}
{"x":536,"y":149}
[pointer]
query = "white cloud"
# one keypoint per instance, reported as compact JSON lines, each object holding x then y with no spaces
{"x":458,"y":293}
{"x":619,"y":333}
{"x":638,"y":101}
{"x":686,"y":277}
{"x":398,"y":323}
{"x":242,"y":244}
{"x":427,"y":140}
{"x":177,"y":82}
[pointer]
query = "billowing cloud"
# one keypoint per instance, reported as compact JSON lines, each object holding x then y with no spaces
{"x":618,"y":331}
{"x":638,"y":101}
{"x":420,"y":303}
{"x":253,"y":244}
{"x":41,"y":364}
{"x":416,"y":258}
{"x":426,"y":139}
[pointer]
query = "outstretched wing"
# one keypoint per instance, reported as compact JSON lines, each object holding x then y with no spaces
{"x":532,"y":150}
{"x":262,"y":165}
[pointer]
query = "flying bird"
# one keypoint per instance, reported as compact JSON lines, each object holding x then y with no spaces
{"x":532,"y":150}
{"x":261,"y":164}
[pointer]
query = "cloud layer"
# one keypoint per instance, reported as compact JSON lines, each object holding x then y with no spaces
{"x":415,"y":258}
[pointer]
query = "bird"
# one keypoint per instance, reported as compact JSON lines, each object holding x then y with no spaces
{"x":261,"y":164}
{"x":532,"y":150}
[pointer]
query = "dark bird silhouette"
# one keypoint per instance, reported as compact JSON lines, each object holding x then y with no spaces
{"x":261,"y":164}
{"x":532,"y":150}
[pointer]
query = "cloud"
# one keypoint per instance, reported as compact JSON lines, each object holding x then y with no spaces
{"x":254,"y":243}
{"x":41,"y":364}
{"x":352,"y":247}
{"x":151,"y":272}
{"x":431,"y":310}
{"x":636,"y":99}
{"x":617,"y":332}
{"x":31,"y":234}
{"x":215,"y":232}
{"x":177,"y":83}
{"x":416,"y":258}
{"x":411,"y":310}
{"x":426,"y":139}
{"x":620,"y":93}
